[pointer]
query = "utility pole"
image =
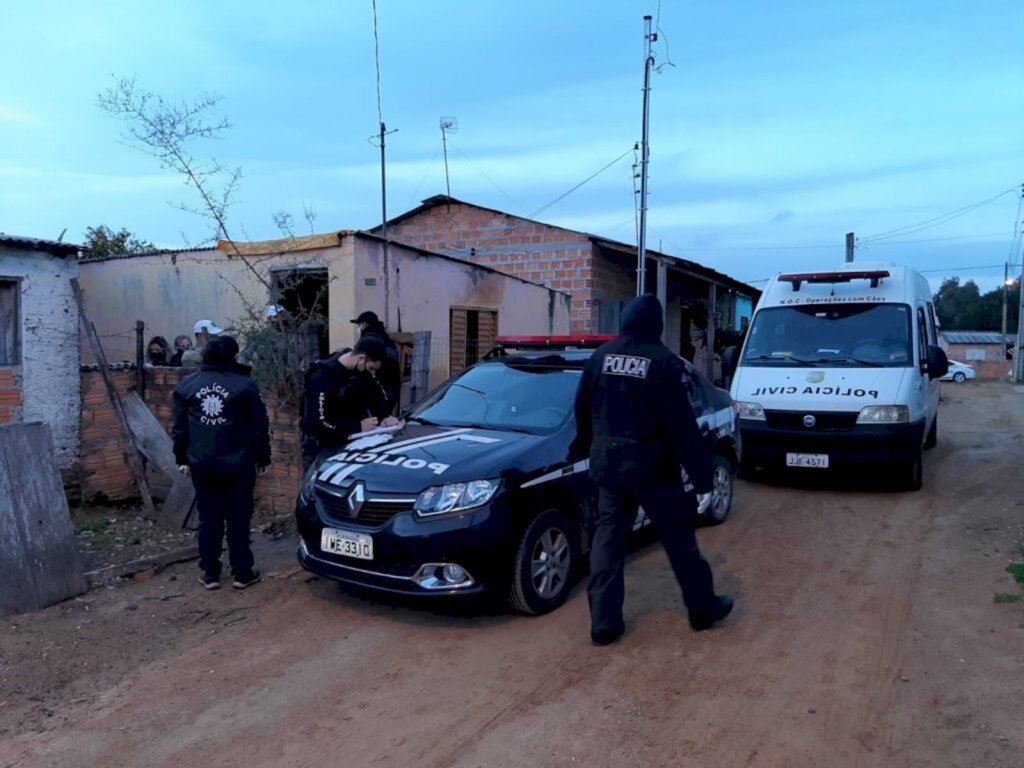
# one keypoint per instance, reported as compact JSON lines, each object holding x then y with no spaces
{"x":1018,"y":355}
{"x":1006,"y":286}
{"x":641,"y":251}
{"x":850,"y":245}
{"x":384,"y":229}
{"x":448,"y":125}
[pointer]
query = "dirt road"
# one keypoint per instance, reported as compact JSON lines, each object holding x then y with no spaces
{"x":866,"y":634}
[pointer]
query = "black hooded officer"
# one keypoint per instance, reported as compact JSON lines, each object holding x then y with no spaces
{"x":636,"y":423}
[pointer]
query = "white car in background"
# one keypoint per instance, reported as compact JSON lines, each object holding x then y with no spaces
{"x":959,"y":372}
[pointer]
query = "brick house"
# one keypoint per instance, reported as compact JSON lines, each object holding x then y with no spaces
{"x":984,"y":351}
{"x":39,"y":349}
{"x":598,"y":273}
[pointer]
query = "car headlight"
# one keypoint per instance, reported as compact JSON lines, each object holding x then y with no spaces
{"x":455,"y":497}
{"x":884,"y":414}
{"x":751,"y":411}
{"x":309,"y":483}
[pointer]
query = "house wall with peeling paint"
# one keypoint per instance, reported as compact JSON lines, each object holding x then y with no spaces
{"x":43,"y":384}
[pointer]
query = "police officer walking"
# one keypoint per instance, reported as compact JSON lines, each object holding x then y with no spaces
{"x":222,"y":439}
{"x":635,"y":421}
{"x":343,"y":398}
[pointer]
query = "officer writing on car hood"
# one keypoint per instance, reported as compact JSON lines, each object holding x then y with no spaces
{"x":634,"y":419}
{"x":343,"y":398}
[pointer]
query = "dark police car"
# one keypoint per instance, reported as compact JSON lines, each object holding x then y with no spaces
{"x":476,"y":492}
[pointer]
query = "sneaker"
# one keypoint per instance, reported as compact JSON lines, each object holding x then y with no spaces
{"x":602,"y":637}
{"x":208,"y":581}
{"x":254,"y":577}
{"x":701,"y":620}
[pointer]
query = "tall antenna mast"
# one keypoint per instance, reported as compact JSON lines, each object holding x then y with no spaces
{"x":641,"y":251}
{"x":448,"y":125}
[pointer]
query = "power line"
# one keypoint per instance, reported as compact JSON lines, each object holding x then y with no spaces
{"x":936,"y":221}
{"x":484,"y":174}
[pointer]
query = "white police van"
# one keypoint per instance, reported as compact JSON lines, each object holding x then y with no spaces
{"x":841,"y":368}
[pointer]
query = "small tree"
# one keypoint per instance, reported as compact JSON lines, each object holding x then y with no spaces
{"x":102,"y":242}
{"x":277,"y":345}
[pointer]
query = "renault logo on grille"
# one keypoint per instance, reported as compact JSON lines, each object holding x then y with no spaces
{"x":809,"y":421}
{"x":356,"y":499}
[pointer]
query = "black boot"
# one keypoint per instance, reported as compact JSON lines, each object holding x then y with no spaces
{"x":722,"y":607}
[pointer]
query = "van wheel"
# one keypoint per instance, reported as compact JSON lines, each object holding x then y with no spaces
{"x":933,"y":434}
{"x":543,"y":564}
{"x":912,"y":472}
{"x":722,"y":491}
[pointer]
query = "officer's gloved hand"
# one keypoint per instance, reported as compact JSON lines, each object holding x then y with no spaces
{"x":703,"y":502}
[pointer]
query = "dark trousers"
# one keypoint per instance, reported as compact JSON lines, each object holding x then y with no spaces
{"x":673,"y":513}
{"x":224,"y":499}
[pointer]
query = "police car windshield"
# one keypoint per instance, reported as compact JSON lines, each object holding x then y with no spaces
{"x":499,"y":396}
{"x":831,"y":336}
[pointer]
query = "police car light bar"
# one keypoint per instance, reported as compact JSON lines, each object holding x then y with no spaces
{"x":874,"y":275}
{"x":582,"y":341}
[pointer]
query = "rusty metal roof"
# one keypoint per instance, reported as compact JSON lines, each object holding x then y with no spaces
{"x":976,"y":337}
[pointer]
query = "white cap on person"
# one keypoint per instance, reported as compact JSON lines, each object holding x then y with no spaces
{"x":208,"y":326}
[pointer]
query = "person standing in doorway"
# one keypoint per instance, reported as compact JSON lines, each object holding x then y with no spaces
{"x":635,"y":422}
{"x":222,"y":440}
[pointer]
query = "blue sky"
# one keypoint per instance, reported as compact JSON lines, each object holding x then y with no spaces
{"x":780,"y":127}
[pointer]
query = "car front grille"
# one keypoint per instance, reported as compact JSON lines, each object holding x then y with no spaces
{"x":823,"y":420}
{"x":373,"y":513}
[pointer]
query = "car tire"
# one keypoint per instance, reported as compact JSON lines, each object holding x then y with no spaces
{"x":959,"y":377}
{"x":911,"y":472}
{"x":933,"y":434}
{"x":543,"y":564}
{"x":721,"y":502}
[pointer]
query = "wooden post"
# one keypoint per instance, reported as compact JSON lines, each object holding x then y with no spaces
{"x":709,"y":337}
{"x":140,"y":358}
{"x":420,"y":366}
{"x":134,"y":459}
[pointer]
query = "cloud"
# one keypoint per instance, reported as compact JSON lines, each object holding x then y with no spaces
{"x":10,"y":115}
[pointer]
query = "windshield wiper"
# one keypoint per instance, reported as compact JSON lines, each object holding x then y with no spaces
{"x":500,"y":427}
{"x":476,"y":391}
{"x":797,"y":360}
{"x":859,"y":361}
{"x":424,"y":422}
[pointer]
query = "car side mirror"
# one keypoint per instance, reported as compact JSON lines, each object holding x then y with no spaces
{"x":730,"y":357}
{"x":938,"y":363}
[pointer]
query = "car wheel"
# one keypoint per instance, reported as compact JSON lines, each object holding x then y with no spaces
{"x":911,"y":472}
{"x":543,"y":564}
{"x":959,"y":377}
{"x":721,"y":493}
{"x":933,"y":434}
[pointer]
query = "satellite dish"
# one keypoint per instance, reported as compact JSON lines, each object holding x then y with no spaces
{"x":449,"y":124}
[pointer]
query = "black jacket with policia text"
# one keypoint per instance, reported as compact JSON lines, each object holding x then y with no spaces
{"x":220,"y":421}
{"x":633,"y":411}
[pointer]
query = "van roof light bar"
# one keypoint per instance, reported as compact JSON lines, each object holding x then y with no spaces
{"x":796,"y":279}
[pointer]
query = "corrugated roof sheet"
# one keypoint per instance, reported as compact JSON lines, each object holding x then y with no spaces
{"x":36,"y":244}
{"x":975,"y":337}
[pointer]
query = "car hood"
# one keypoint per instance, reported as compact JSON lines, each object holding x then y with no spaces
{"x":820,"y":389}
{"x":419,"y":456}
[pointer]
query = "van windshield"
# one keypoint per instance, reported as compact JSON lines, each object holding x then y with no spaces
{"x":831,"y":336}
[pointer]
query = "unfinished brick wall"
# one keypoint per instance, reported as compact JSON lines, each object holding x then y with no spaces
{"x":10,"y":395}
{"x":553,"y":257}
{"x":105,"y":473}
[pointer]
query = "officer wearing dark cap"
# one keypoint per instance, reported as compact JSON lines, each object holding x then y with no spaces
{"x":389,"y":377}
{"x":635,"y":422}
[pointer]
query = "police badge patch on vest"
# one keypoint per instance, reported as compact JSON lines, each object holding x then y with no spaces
{"x":626,"y":365}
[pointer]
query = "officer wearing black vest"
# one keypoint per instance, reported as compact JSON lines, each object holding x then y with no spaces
{"x":634,"y":420}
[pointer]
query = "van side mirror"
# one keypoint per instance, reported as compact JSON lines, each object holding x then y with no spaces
{"x":730,"y":357}
{"x":938,"y":363}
